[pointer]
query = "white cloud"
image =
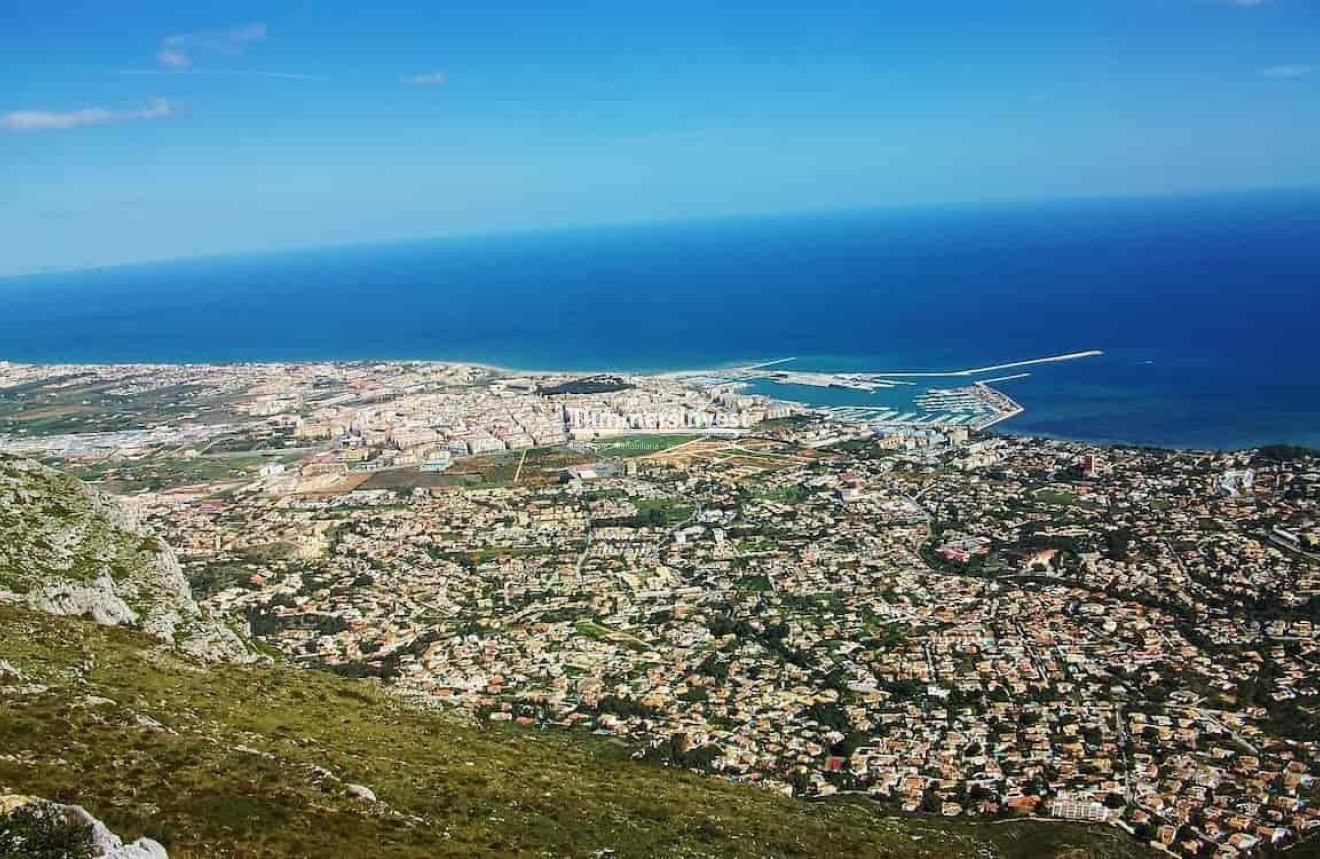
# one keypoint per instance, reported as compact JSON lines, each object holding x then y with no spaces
{"x":49,"y":120}
{"x":432,"y":79}
{"x":1288,"y":71}
{"x":174,"y":58}
{"x":1246,"y":4}
{"x":177,"y":51}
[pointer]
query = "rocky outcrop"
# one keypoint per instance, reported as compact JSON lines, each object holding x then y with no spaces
{"x":101,"y":843}
{"x":361,"y":793}
{"x":68,"y":549}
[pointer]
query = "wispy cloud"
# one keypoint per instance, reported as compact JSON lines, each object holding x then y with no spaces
{"x":173,"y":57}
{"x":432,"y":79}
{"x":50,"y":120}
{"x":1287,"y":71}
{"x":1246,"y":4}
{"x":255,"y":73}
{"x":178,"y":51}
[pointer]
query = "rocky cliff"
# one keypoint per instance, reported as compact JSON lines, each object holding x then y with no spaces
{"x":68,"y":549}
{"x":35,"y":827}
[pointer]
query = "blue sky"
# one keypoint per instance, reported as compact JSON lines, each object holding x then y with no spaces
{"x":134,"y":130}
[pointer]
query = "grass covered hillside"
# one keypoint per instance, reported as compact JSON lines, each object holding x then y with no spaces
{"x":260,"y":761}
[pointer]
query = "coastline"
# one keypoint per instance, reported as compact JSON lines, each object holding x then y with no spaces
{"x":1001,"y":425}
{"x":899,"y":294}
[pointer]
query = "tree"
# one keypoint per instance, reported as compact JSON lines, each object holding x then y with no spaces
{"x":830,"y":715}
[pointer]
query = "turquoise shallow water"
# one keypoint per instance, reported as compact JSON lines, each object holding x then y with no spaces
{"x":1208,"y":309}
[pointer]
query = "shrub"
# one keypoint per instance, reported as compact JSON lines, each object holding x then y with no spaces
{"x":37,"y":831}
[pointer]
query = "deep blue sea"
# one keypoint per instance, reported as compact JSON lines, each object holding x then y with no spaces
{"x":1208,"y":308}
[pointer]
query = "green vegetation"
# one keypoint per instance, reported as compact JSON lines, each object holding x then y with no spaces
{"x":76,"y":403}
{"x":540,"y":466}
{"x":213,"y":578}
{"x":1055,"y":496}
{"x":858,"y":448}
{"x":753,"y":584}
{"x":786,"y":423}
{"x":41,"y":832}
{"x":587,"y":385}
{"x":790,"y":493}
{"x":51,"y":529}
{"x":659,"y":512}
{"x":480,"y":556}
{"x":170,"y":470}
{"x":591,"y":629}
{"x":655,"y":513}
{"x":210,"y":578}
{"x":255,"y":762}
{"x":640,"y":445}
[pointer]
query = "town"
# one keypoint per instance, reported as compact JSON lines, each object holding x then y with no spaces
{"x":937,"y":619}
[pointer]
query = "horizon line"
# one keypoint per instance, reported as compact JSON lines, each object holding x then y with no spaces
{"x":713,"y":218}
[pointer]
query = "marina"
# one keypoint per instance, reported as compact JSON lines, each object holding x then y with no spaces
{"x":974,"y":406}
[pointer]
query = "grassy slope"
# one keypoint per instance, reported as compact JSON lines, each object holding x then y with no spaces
{"x":29,"y":531}
{"x":445,"y":788}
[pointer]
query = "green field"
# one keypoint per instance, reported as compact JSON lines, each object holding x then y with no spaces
{"x":1055,"y":496}
{"x":640,"y":445}
{"x":169,"y":470}
{"x":790,"y":493}
{"x":663,"y":511}
{"x":591,"y":629}
{"x":50,"y":408}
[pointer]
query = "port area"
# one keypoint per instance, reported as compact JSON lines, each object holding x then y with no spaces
{"x":898,"y":399}
{"x":974,"y":407}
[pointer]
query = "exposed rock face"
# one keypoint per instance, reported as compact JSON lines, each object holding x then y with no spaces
{"x":104,"y":843}
{"x":70,"y":550}
{"x":362,"y":793}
